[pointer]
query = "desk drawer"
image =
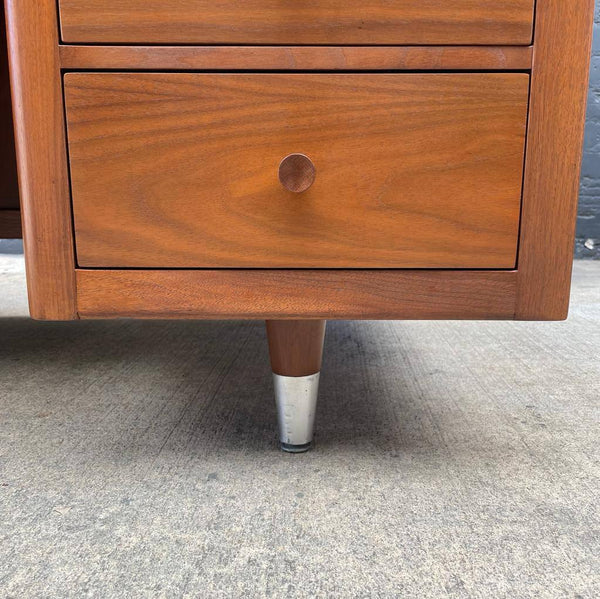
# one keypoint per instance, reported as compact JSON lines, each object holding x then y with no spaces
{"x":418,"y":22}
{"x":185,"y":170}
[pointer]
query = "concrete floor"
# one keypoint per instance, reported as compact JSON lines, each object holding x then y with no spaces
{"x":139,"y":459}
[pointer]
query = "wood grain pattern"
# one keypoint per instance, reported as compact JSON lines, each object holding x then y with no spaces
{"x":41,"y":157}
{"x":296,"y":346}
{"x":9,"y":188}
{"x":538,"y":290}
{"x":296,"y":58}
{"x":10,"y":224}
{"x":296,"y":294}
{"x":556,"y":125}
{"x":180,"y":170}
{"x":274,"y":22}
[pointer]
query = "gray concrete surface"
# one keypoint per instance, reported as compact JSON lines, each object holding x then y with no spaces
{"x":140,"y":459}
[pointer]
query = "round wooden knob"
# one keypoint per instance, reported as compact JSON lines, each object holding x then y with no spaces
{"x":297,"y":172}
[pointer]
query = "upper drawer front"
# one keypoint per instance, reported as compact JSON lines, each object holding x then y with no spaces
{"x":417,"y":22}
{"x":182,"y":170}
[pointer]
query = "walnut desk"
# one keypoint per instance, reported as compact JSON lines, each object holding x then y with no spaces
{"x":298,"y":162}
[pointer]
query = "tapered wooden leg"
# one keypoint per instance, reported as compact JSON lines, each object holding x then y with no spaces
{"x":296,"y":349}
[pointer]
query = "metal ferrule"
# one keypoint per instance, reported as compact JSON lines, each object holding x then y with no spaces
{"x":296,"y":398}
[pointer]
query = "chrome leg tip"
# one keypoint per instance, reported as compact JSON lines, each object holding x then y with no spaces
{"x":296,"y":399}
{"x":289,"y":448}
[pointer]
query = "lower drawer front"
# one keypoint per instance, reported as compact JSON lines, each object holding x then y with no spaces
{"x":183,"y":169}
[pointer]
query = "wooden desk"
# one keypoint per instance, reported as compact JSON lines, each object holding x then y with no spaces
{"x":299,"y":163}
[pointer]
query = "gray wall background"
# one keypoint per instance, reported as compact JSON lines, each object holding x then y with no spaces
{"x":588,"y":222}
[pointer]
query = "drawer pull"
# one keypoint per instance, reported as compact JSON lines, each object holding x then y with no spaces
{"x":297,"y":172}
